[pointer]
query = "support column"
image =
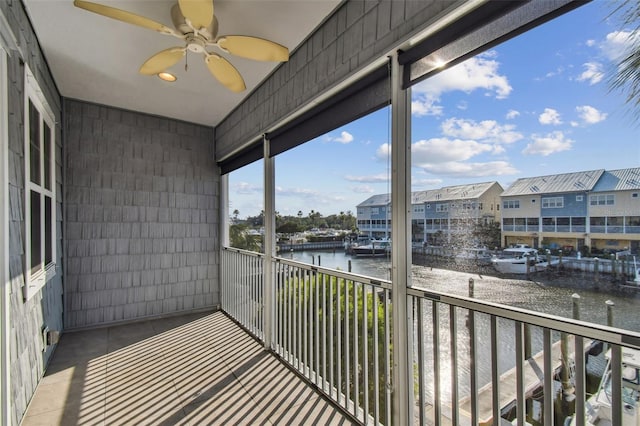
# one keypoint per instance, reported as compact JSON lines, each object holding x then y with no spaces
{"x":5,"y":390}
{"x":401,"y":253}
{"x":224,"y":210}
{"x":269,"y":243}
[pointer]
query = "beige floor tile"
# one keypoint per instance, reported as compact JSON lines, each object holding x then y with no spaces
{"x":190,"y":370}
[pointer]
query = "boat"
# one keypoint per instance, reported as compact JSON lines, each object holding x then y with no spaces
{"x":636,"y":272}
{"x":474,"y":256}
{"x":513,"y":260}
{"x":374,"y":248}
{"x":598,"y":406}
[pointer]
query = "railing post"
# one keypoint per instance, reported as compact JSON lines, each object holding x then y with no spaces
{"x":402,"y":376}
{"x":269,"y":245}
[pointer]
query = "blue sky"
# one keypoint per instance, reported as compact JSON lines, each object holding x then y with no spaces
{"x":536,"y":105}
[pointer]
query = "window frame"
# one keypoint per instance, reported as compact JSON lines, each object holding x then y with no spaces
{"x":602,"y":200}
{"x":552,"y":202}
{"x":35,"y":279}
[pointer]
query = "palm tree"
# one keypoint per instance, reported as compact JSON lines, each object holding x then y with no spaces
{"x":627,"y":75}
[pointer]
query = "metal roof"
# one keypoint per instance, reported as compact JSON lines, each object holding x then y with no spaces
{"x":567,"y":182}
{"x":449,"y":193}
{"x":376,"y":200}
{"x":619,"y":180}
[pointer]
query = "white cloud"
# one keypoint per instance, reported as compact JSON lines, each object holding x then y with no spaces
{"x":478,"y":73}
{"x":425,"y":182}
{"x":617,"y":44}
{"x":550,"y":116}
{"x":593,"y":73}
{"x":345,"y":138}
{"x":246,"y":188}
{"x":486,"y":130}
{"x":296,"y":192}
{"x":381,"y":177}
{"x":383,"y":152}
{"x":468,"y":170}
{"x":362,"y":189}
{"x":590,"y":115}
{"x":512,"y":114}
{"x":548,"y":144}
{"x":439,"y":150}
{"x":426,"y":106}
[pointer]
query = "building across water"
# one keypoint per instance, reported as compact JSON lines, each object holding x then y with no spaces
{"x":595,"y":211}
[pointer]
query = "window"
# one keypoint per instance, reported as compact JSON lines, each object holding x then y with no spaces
{"x":442,"y":207}
{"x":578,"y":197}
{"x":552,"y":202}
{"x":511,"y":204}
{"x":375,"y":210}
{"x":40,"y":207}
{"x":602,"y":200}
{"x":634,"y":195}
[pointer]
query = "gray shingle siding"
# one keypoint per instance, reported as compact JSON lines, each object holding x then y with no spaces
{"x":142,"y":219}
{"x":355,"y":35}
{"x":27,"y":319}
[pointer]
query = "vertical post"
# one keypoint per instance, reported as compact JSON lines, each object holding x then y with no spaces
{"x":610,"y":306}
{"x":575,"y":297}
{"x":269,"y":243}
{"x":5,"y":386}
{"x":402,"y":377}
{"x":596,"y":269}
{"x":349,"y":265}
{"x":471,"y":287}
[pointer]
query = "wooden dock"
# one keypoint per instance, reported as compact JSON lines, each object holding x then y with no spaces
{"x":533,"y":379}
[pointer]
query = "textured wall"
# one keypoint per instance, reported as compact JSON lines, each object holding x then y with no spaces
{"x":141,"y":215}
{"x":355,"y":35}
{"x":28,"y":318}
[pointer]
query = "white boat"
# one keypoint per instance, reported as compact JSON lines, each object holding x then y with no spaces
{"x":598,"y":406}
{"x":373,"y":248}
{"x":636,"y":269}
{"x":513,"y":260}
{"x":474,"y":256}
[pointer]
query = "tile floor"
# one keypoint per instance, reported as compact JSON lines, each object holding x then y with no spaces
{"x":188,"y":370}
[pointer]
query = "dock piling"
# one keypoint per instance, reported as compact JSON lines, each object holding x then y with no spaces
{"x":471,"y":285}
{"x":610,"y":306}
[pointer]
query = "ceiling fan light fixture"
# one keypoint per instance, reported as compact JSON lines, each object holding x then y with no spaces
{"x":167,"y":76}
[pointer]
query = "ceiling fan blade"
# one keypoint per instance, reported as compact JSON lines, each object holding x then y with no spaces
{"x":163,"y":60}
{"x":124,"y":16}
{"x":198,"y":12}
{"x":225,"y":73}
{"x":254,"y":48}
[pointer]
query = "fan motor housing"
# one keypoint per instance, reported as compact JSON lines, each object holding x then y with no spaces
{"x":181,"y":25}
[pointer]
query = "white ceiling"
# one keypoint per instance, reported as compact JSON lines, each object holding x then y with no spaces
{"x":96,"y":59}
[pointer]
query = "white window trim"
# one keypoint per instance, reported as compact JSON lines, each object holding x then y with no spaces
{"x":5,"y":286}
{"x":557,"y":202}
{"x":34,"y":282}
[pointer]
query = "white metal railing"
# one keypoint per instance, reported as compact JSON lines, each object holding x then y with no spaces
{"x":473,"y":361}
{"x":243,"y":288}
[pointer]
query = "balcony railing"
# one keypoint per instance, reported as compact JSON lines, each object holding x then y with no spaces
{"x":472,"y":360}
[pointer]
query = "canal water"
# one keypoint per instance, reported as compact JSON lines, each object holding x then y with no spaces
{"x":547,"y":293}
{"x":542,"y":293}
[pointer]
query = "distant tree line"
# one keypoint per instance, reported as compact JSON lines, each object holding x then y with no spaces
{"x":241,"y":237}
{"x":289,"y":224}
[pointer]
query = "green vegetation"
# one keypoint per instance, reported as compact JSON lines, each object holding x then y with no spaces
{"x":626,"y":77}
{"x":239,"y":237}
{"x":300,"y":222}
{"x":300,"y":302}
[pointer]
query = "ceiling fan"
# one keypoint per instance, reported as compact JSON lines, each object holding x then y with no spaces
{"x":196,"y":24}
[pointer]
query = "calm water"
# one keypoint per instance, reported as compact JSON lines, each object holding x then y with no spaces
{"x":548,"y":297}
{"x":552,"y":296}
